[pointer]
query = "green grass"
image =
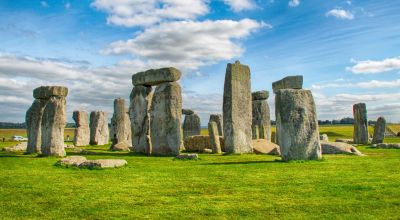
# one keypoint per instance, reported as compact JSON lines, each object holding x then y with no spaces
{"x":217,"y":187}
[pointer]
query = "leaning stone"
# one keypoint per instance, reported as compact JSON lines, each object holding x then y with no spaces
{"x":165,"y":119}
{"x":297,"y":125}
{"x":187,"y":112}
{"x":217,"y":118}
{"x":139,"y":111}
{"x":22,"y":146}
{"x":360,"y":135}
{"x":323,"y":137}
{"x":82,"y":130}
{"x":72,"y":161}
{"x":214,"y":137}
{"x":45,"y":92}
{"x":103,"y":163}
{"x":262,"y":146}
{"x":379,"y":131}
{"x":389,"y":146}
{"x":261,"y":118}
{"x":260,"y":95}
{"x":191,"y":125}
{"x":289,"y":82}
{"x":154,"y":77}
{"x":33,"y":121}
{"x":53,"y":124}
{"x":237,"y":109}
{"x":187,"y":157}
{"x":121,"y":123}
{"x":99,"y":134}
{"x":339,"y":148}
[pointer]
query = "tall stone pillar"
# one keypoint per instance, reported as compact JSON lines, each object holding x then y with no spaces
{"x":99,"y":134}
{"x":121,"y":123}
{"x":379,"y":131}
{"x":191,"y":124}
{"x":33,"y":121}
{"x":261,"y":114}
{"x":82,"y":130}
{"x":217,"y":118}
{"x":360,"y":135}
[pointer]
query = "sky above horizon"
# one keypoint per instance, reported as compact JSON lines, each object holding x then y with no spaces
{"x":348,"y":51}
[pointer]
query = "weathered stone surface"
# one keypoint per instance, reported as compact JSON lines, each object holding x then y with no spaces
{"x":72,"y":161}
{"x":121,"y":146}
{"x":53,"y":124}
{"x":255,"y":132}
{"x":388,"y":146}
{"x":82,"y":130}
{"x":347,"y":141}
{"x":262,"y":146}
{"x":104,"y":163}
{"x":360,"y":135}
{"x":200,"y":142}
{"x":379,"y":131}
{"x":33,"y":121}
{"x":99,"y":134}
{"x":45,"y":92}
{"x":339,"y":148}
{"x":191,"y":125}
{"x":139,"y":111}
{"x":187,"y":112}
{"x":260,"y":95}
{"x":217,"y":118}
{"x":165,"y":119}
{"x":207,"y":151}
{"x":22,"y":146}
{"x":237,"y":109}
{"x":297,"y":125}
{"x":261,"y":118}
{"x":323,"y":137}
{"x":187,"y":157}
{"x":214,"y":137}
{"x":156,"y":76}
{"x":121,"y":123}
{"x":289,"y":82}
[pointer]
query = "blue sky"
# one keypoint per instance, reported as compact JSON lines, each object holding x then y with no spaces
{"x":347,"y":51}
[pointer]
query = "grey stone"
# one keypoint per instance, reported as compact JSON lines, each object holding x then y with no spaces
{"x":297,"y":125}
{"x":255,"y":132}
{"x":45,"y":92}
{"x":22,"y":146}
{"x":139,"y":111}
{"x":360,"y":135}
{"x":214,"y":137}
{"x":103,"y":163}
{"x":237,"y":109}
{"x":82,"y":130}
{"x":261,"y":118}
{"x":207,"y":151}
{"x":260,"y":95}
{"x":389,"y":145}
{"x":379,"y":131}
{"x":347,"y":141}
{"x":99,"y":134}
{"x":187,"y":112}
{"x":191,"y":125}
{"x":198,"y":143}
{"x":154,"y":77}
{"x":262,"y":146}
{"x":121,"y":146}
{"x":121,"y":123}
{"x":289,"y":82}
{"x":72,"y":161}
{"x":33,"y":121}
{"x":217,"y":118}
{"x":339,"y":148}
{"x":323,"y":137}
{"x":187,"y":156}
{"x":165,"y":119}
{"x":53,"y":124}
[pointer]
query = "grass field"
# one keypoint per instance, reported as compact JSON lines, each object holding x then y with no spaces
{"x":217,"y":186}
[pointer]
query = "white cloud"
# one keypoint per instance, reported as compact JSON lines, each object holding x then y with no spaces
{"x":364,"y":85}
{"x":240,"y":5}
{"x":187,"y":44}
{"x":130,"y":13}
{"x":294,"y":3}
{"x":372,"y":66}
{"x":341,"y":14}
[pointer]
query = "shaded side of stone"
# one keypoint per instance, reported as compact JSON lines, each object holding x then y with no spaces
{"x":191,"y":125}
{"x":360,"y":135}
{"x":261,"y":118}
{"x":33,"y":121}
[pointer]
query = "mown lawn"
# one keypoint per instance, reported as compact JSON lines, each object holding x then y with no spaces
{"x":217,"y":186}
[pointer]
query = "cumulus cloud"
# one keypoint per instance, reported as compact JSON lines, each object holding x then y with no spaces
{"x":240,"y":5}
{"x":372,"y":66}
{"x":187,"y":44}
{"x":131,"y":13}
{"x":364,"y":85}
{"x":294,"y":3}
{"x":340,"y":14}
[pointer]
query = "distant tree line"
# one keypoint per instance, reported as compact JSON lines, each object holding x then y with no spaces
{"x":11,"y":125}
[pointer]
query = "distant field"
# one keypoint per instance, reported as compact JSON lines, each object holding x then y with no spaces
{"x":8,"y":133}
{"x":394,"y":127}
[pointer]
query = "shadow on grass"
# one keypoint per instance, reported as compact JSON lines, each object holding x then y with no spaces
{"x":246,"y":162}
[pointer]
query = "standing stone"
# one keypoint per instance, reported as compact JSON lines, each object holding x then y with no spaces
{"x":33,"y":121}
{"x":379,"y":131}
{"x":217,"y":118}
{"x":191,"y":125}
{"x":214,"y":137}
{"x":139,"y":112}
{"x":360,"y":135}
{"x":53,"y":124}
{"x":261,"y":114}
{"x":297,"y":125}
{"x":165,"y":119}
{"x":98,"y":128}
{"x":121,"y":126}
{"x":237,"y":109}
{"x":82,"y":131}
{"x":255,"y":132}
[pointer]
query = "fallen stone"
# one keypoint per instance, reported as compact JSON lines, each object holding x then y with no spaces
{"x":360,"y":134}
{"x":121,"y":146}
{"x":22,"y":146}
{"x":379,"y":131}
{"x":45,"y":92}
{"x":260,"y":95}
{"x":289,"y":82}
{"x":103,"y":163}
{"x":154,"y":77}
{"x":339,"y":148}
{"x":187,"y":112}
{"x":187,"y":157}
{"x":262,"y":146}
{"x":217,"y":118}
{"x":389,"y":145}
{"x":323,"y":137}
{"x":72,"y":161}
{"x":347,"y":141}
{"x":82,"y":130}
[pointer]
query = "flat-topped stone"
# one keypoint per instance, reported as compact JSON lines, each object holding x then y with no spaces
{"x":289,"y":82}
{"x":187,"y":112}
{"x":260,"y":95}
{"x":156,"y":76}
{"x":104,"y":163}
{"x":45,"y":92}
